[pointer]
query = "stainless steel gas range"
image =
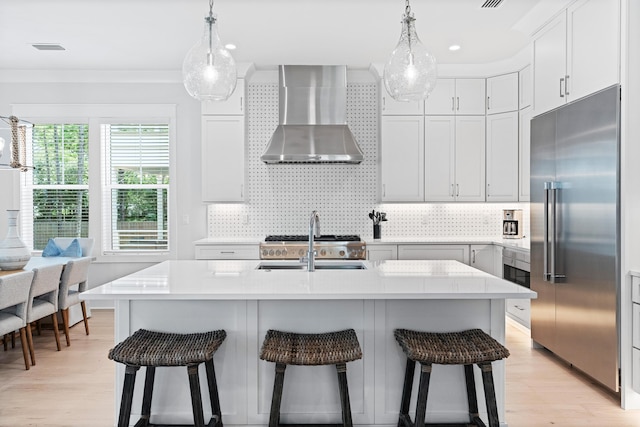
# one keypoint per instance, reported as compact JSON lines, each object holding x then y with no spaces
{"x":326,"y":246}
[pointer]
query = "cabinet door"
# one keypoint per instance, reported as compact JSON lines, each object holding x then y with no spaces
{"x":234,"y":105}
{"x":502,"y":157}
{"x":593,"y":46}
{"x":382,"y":252}
{"x":525,"y":87}
{"x":442,"y":99}
{"x":549,"y":65}
{"x":428,"y":252}
{"x":392,"y":107}
{"x":502,"y":93}
{"x":525,"y":153}
{"x":402,"y":158}
{"x":483,"y":258}
{"x":470,"y":96}
{"x":439,"y":158}
{"x":223,"y":159}
{"x":470,"y":159}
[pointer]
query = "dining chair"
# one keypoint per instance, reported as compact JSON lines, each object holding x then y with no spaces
{"x":43,"y":301}
{"x":72,"y":283}
{"x":14,"y":296}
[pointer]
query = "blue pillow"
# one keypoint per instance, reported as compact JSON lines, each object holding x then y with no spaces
{"x":51,"y":249}
{"x":73,"y":250}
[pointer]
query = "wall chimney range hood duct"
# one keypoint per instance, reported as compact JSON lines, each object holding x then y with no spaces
{"x":313,"y":117}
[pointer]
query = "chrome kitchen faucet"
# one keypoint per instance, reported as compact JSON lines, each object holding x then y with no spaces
{"x":314,"y":230}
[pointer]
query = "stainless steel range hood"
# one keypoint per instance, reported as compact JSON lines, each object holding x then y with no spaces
{"x":313,"y":118}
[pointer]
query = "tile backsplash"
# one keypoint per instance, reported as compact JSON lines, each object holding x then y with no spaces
{"x":281,"y":197}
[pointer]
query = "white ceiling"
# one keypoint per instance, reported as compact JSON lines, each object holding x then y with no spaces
{"x":155,"y":35}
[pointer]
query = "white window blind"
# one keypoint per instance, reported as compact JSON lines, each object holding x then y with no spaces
{"x":56,"y":200}
{"x":136,"y":187}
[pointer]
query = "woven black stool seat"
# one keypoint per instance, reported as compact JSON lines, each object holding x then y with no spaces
{"x":162,"y":349}
{"x":148,"y":348}
{"x":468,"y":348}
{"x":450,"y":348}
{"x":328,"y":348}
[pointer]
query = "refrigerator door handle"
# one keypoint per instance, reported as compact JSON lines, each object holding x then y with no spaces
{"x":554,"y":188}
{"x":545,"y":245}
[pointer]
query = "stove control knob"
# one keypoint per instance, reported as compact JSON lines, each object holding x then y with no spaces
{"x":265,"y":252}
{"x":301,"y":252}
{"x":341,"y":253}
{"x":278,"y":252}
{"x":284,"y":252}
{"x":271,"y":252}
{"x":323,"y":252}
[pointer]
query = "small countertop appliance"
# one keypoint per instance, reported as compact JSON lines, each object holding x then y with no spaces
{"x":512,"y":226}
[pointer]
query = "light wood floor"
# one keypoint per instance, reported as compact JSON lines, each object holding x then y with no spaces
{"x":74,"y":387}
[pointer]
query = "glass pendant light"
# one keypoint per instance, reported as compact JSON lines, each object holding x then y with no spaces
{"x":411,"y":72}
{"x":209,"y":70}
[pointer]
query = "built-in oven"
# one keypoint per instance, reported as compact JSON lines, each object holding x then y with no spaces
{"x":516,"y":267}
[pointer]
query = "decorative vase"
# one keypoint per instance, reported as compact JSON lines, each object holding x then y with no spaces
{"x":14,"y":254}
{"x":376,"y":231}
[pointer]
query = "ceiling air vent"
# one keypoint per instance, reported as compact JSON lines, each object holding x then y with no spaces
{"x":48,"y":46}
{"x":491,"y":4}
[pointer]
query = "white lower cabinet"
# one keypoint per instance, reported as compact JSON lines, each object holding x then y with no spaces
{"x":635,"y":331}
{"x":519,"y":310}
{"x":382,"y":252}
{"x":219,"y":251}
{"x":443,"y":252}
{"x":483,"y":258}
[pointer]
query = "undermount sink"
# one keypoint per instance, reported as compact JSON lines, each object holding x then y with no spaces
{"x":320,"y":265}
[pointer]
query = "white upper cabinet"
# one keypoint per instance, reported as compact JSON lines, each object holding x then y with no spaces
{"x":525,"y":86}
{"x":502,"y":157}
{"x":232,"y":106}
{"x":390,"y":106}
{"x":454,"y":158}
{"x":525,"y":153}
{"x":576,"y":54}
{"x":502,"y":93}
{"x":457,"y":96}
{"x":402,"y":159}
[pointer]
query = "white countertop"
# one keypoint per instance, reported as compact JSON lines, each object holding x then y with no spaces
{"x":233,"y":280}
{"x":522,"y":244}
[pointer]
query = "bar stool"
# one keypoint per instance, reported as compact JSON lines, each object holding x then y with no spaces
{"x":153,"y":349}
{"x":455,"y":348}
{"x":331,"y":348}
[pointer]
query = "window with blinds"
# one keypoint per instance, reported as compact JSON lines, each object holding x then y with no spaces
{"x":58,"y":200}
{"x":136,"y":187}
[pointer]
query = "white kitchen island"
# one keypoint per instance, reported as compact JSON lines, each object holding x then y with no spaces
{"x":192,"y":296}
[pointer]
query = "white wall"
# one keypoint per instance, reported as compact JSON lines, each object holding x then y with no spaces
{"x":188,"y":151}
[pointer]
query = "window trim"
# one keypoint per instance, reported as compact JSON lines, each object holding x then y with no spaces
{"x":96,"y":114}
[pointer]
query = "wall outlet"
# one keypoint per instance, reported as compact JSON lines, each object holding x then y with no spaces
{"x":245,"y":219}
{"x":425,"y":219}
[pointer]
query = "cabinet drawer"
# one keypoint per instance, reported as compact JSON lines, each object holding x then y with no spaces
{"x":635,"y":289}
{"x":519,"y":310}
{"x":227,"y":252}
{"x":635,"y":325}
{"x":635,"y":370}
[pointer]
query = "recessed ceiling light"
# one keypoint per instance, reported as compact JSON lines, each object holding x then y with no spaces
{"x":48,"y":46}
{"x":230,"y":46}
{"x":454,"y":47}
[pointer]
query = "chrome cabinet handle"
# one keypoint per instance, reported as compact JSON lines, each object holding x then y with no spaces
{"x":241,"y":190}
{"x":561,"y":90}
{"x":488,"y":190}
{"x":545,"y":244}
{"x":384,"y":103}
{"x":473,"y":254}
{"x":457,"y":190}
{"x":384,"y":190}
{"x":458,"y":100}
{"x":488,"y":102}
{"x":453,"y":103}
{"x":227,"y":252}
{"x":566,"y":85}
{"x":241,"y":106}
{"x":453,"y":193}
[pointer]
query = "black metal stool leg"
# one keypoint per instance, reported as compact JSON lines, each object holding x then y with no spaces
{"x":344,"y":394}
{"x":149,"y":379}
{"x":213,"y":392}
{"x":472,"y":397}
{"x":489,"y":394}
{"x":423,"y":392}
{"x":404,"y":418}
{"x":276,"y":399}
{"x":127,"y":395}
{"x":196,"y":398}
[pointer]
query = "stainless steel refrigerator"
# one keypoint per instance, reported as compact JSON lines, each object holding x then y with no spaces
{"x":575,"y":233}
